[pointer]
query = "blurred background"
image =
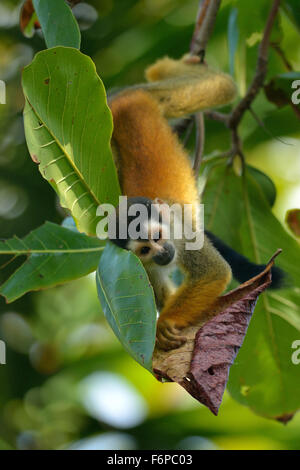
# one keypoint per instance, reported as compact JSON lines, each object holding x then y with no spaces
{"x":67,"y":382}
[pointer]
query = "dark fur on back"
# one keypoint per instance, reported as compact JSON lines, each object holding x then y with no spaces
{"x":242,"y":268}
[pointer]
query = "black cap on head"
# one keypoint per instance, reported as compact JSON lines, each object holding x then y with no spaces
{"x":146,"y":202}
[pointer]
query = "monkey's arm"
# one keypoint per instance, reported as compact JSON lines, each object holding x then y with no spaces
{"x":207,"y":275}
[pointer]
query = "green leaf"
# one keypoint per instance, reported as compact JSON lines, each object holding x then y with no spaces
{"x":277,"y":123}
{"x":293,"y":11}
{"x":266,"y":184}
{"x":58,"y":24}
{"x":221,"y":204}
{"x":262,"y":233}
{"x":263,"y":376}
{"x":127,"y":300}
{"x":54,"y":255}
{"x":68,"y":128}
{"x":251,"y":20}
{"x":233,"y":37}
{"x":30,"y":28}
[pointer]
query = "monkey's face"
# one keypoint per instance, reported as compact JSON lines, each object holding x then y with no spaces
{"x":150,"y":244}
{"x":154,"y":249}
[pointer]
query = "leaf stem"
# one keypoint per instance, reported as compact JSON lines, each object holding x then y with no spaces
{"x":46,"y":252}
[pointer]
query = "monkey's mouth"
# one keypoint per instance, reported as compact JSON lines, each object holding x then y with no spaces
{"x":165,"y":256}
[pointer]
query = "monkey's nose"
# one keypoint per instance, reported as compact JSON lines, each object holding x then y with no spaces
{"x":165,"y":256}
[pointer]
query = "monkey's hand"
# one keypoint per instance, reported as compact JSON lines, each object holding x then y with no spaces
{"x":168,"y":334}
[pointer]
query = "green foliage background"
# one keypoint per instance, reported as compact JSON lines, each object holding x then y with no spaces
{"x":67,"y":381}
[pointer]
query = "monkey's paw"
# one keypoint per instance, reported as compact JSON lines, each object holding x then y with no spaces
{"x":168,"y":335}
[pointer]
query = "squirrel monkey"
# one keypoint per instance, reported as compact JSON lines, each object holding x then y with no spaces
{"x":154,"y":167}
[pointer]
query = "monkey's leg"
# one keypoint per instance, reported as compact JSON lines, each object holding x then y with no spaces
{"x":208,"y":274}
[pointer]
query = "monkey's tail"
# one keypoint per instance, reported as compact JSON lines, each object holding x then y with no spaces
{"x":242,"y":268}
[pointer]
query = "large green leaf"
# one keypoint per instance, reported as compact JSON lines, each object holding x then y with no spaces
{"x":68,"y":127}
{"x":263,"y":376}
{"x":54,"y":255}
{"x":127,"y":300}
{"x":58,"y":24}
{"x":222,"y":205}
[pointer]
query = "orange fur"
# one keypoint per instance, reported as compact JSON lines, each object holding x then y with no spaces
{"x":153,"y":163}
{"x":190,"y":301}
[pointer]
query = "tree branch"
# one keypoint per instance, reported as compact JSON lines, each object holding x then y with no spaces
{"x":282,"y":56}
{"x":200,"y":139}
{"x":260,"y":73}
{"x":204,"y":25}
{"x":206,"y":17}
{"x":233,"y":119}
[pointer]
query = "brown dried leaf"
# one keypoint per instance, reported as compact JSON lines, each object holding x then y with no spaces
{"x":27,"y":11}
{"x":276,"y":95}
{"x":202,"y":364}
{"x":292,"y":218}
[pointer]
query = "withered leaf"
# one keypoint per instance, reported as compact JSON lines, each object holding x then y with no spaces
{"x":278,"y":91}
{"x":26,"y":15}
{"x":276,"y":95}
{"x":202,"y":364}
{"x":292,"y":218}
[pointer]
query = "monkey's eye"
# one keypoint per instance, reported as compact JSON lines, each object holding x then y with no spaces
{"x":145,"y":250}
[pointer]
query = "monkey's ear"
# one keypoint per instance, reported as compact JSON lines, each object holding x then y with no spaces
{"x":185,"y":86}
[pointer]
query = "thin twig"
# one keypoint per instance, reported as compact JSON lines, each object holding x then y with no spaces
{"x":233,"y":119}
{"x":205,"y":21}
{"x":206,"y":17}
{"x":217,"y":116}
{"x":189,"y":131}
{"x":264,"y":127}
{"x":260,"y":73}
{"x":282,"y":56}
{"x":200,"y":139}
